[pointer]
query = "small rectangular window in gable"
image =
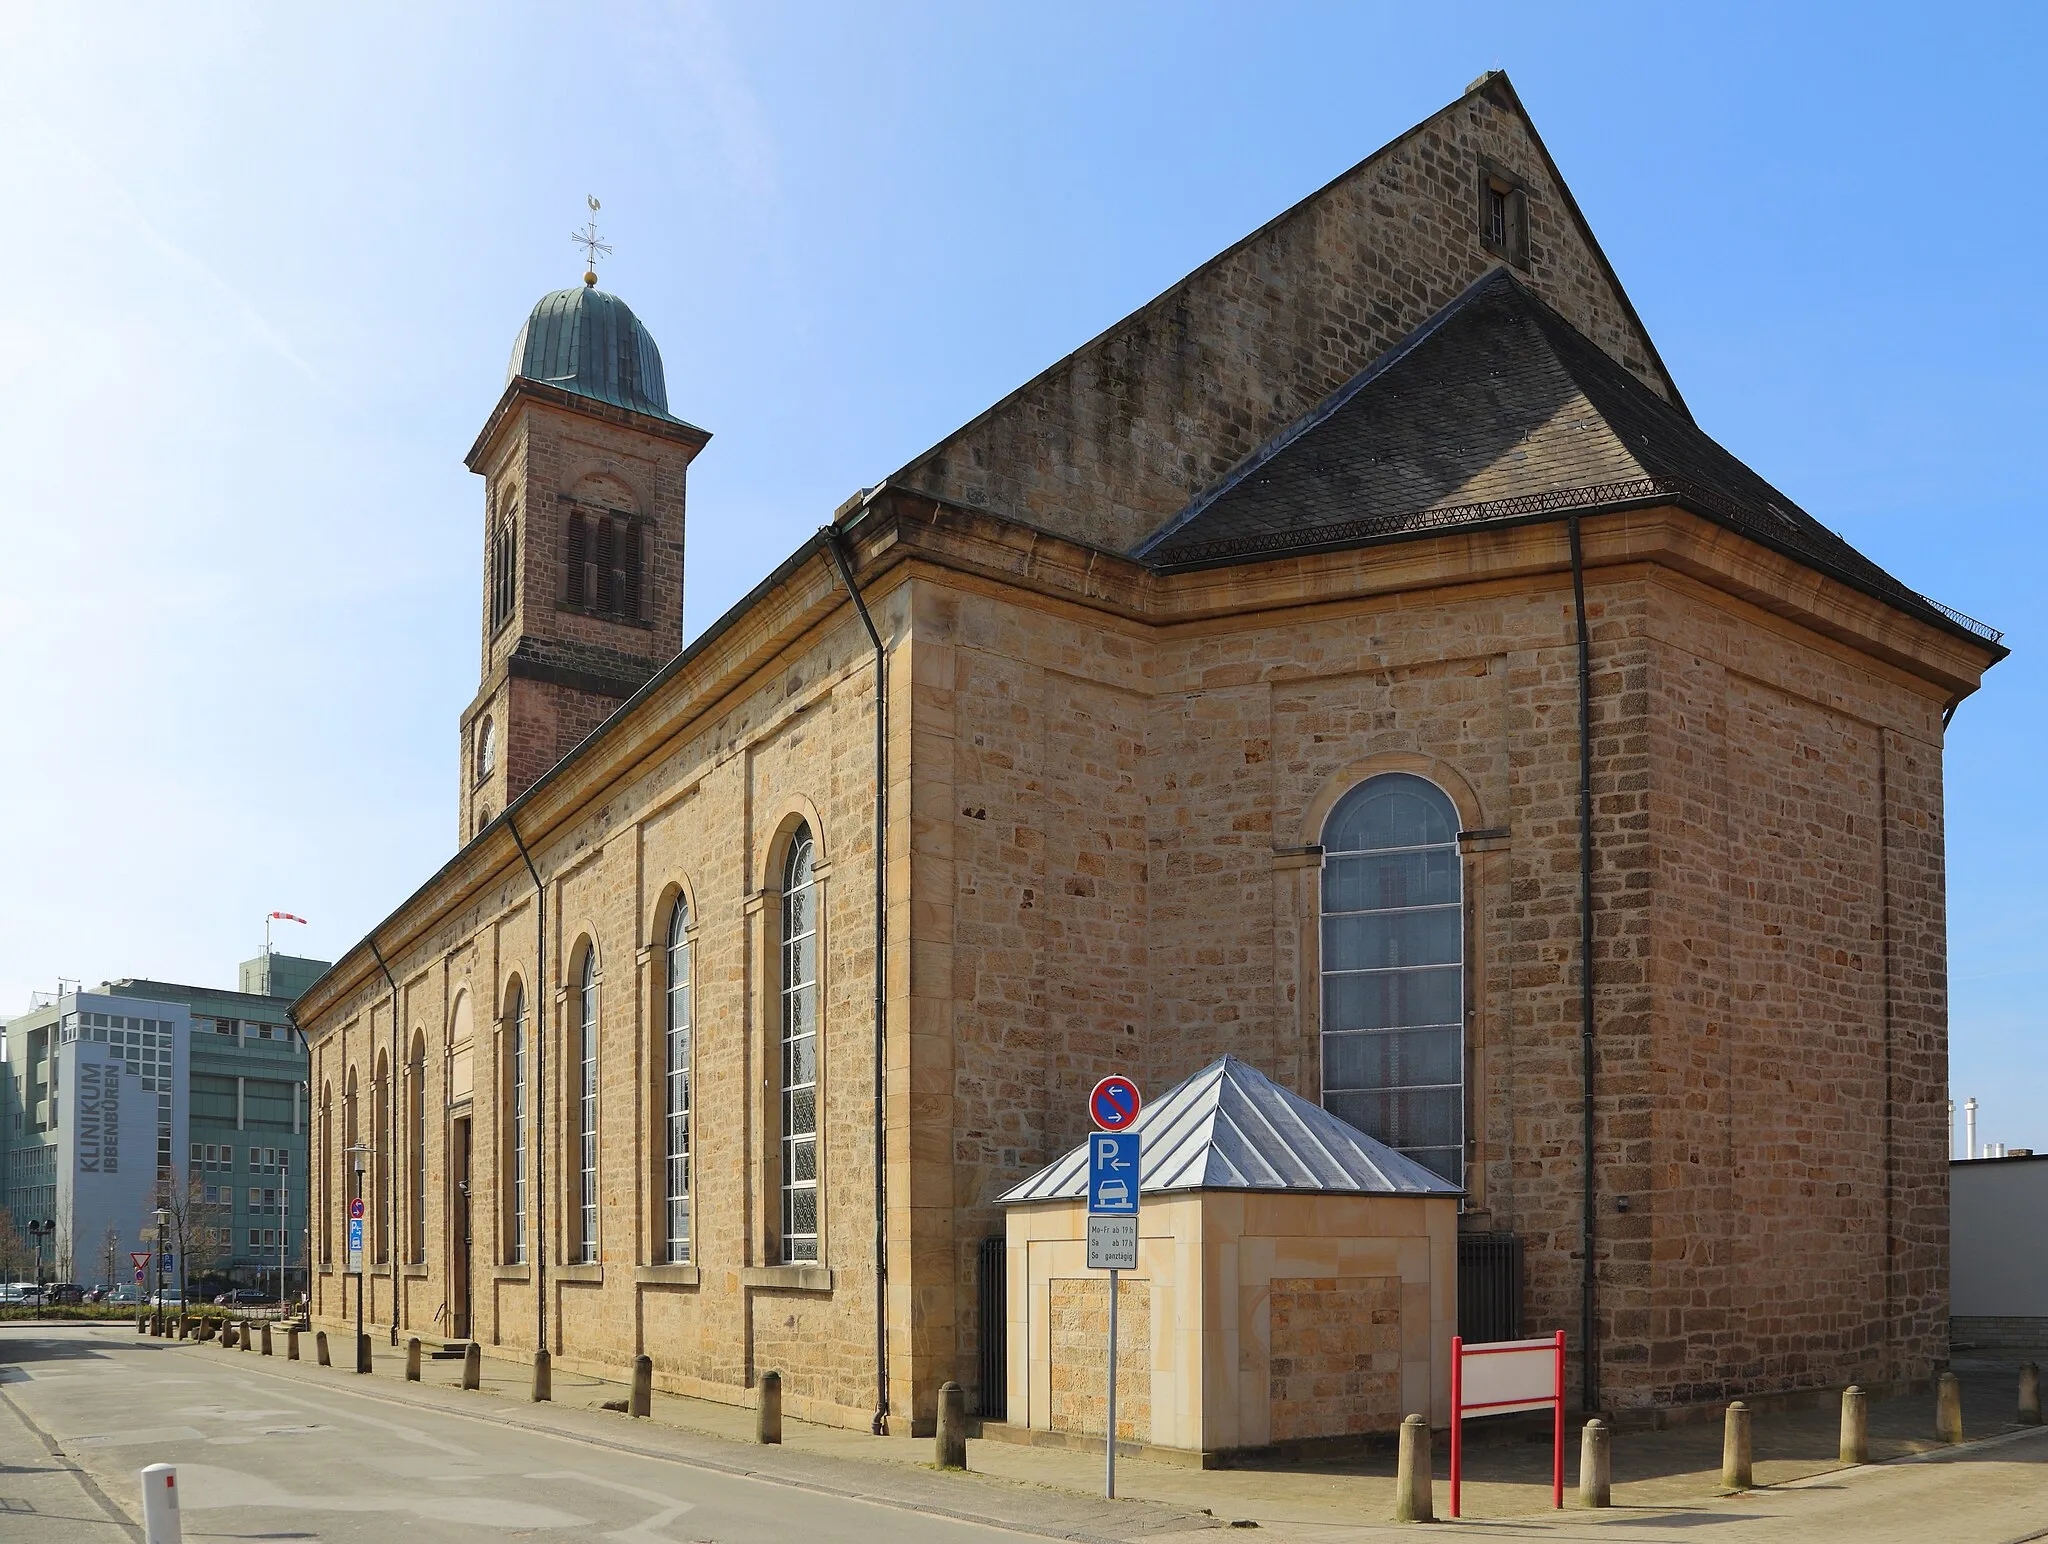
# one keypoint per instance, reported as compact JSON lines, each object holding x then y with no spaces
{"x":1503,"y":214}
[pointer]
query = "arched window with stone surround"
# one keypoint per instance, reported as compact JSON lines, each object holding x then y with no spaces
{"x":380,"y":1159}
{"x":799,"y":1110}
{"x":1393,"y":940}
{"x":325,"y":1200}
{"x":584,"y":1004}
{"x":486,"y":747}
{"x":512,"y":1118}
{"x":676,"y":1083}
{"x":416,"y":1151}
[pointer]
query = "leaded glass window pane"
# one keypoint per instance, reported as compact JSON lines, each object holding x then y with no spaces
{"x":678,"y":1086}
{"x":515,"y":1122}
{"x":799,"y":1053}
{"x":586,"y":1111}
{"x":1393,"y":936}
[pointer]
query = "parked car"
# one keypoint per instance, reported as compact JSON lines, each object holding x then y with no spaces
{"x":124,"y":1295}
{"x":244,"y":1297}
{"x":21,"y":1294}
{"x":170,"y":1297}
{"x":64,"y":1292}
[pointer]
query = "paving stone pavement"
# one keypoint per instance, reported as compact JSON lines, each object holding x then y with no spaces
{"x":1662,"y":1478}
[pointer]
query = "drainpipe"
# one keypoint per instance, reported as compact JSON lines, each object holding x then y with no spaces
{"x":391,"y":1143}
{"x":1590,"y":1382}
{"x":291,"y":1015}
{"x":540,"y":1089}
{"x":880,"y":1425}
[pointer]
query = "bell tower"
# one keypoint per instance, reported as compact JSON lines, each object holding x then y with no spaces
{"x":584,"y":473}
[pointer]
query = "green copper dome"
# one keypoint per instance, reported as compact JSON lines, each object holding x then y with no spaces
{"x":591,"y":343}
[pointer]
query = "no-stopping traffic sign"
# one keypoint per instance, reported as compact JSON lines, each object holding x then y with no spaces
{"x":1114,"y":1104}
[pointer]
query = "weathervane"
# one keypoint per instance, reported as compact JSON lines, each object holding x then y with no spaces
{"x":587,"y":239}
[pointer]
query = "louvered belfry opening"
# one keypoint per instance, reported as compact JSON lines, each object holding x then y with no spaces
{"x":605,"y":565}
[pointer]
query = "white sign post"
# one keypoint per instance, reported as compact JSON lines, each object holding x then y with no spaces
{"x":1113,"y":1159}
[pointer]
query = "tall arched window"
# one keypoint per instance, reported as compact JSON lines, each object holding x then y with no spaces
{"x":486,"y":747}
{"x":504,"y":566}
{"x":326,"y":1201}
{"x":513,"y":1105}
{"x":799,"y":1052}
{"x":416,"y":1141}
{"x":351,"y":1186}
{"x":1394,"y":969}
{"x":380,"y":1157}
{"x":586,"y":1109}
{"x":677,"y":1103}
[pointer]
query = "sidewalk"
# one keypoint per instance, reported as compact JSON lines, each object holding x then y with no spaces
{"x":1674,"y":1469}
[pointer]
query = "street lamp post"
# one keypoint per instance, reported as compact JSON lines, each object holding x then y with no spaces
{"x":38,"y":1232}
{"x":156,"y":1308}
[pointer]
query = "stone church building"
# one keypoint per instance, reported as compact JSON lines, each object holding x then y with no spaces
{"x":1356,"y":661}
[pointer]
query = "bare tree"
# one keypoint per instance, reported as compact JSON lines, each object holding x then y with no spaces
{"x":191,"y":1222}
{"x":13,"y":1247}
{"x":110,"y":1258}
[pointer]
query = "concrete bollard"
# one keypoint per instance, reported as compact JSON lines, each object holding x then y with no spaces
{"x":1735,"y":1465}
{"x":543,"y":1377}
{"x":227,"y":1336}
{"x":160,"y":1523}
{"x":1948,"y":1409}
{"x":473,"y":1366}
{"x":1596,"y":1466}
{"x":412,"y":1360}
{"x":362,"y":1353}
{"x":320,"y":1349}
{"x":1414,"y":1483}
{"x":246,"y":1339}
{"x":949,"y":1444}
{"x":2030,"y":1394}
{"x":184,"y":1327}
{"x":266,"y":1339}
{"x":291,"y":1344}
{"x":1855,"y":1426}
{"x":768,"y":1410}
{"x":141,"y":1323}
{"x":642,"y":1403}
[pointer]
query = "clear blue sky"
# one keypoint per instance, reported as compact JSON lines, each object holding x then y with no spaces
{"x":263,"y":270}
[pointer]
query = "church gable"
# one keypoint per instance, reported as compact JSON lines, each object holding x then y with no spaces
{"x":1168,"y":401}
{"x":1495,"y":412}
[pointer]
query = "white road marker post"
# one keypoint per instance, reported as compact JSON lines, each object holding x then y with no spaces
{"x":160,"y":1523}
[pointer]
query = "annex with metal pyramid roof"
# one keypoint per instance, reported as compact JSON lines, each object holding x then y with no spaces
{"x":1230,"y":1127}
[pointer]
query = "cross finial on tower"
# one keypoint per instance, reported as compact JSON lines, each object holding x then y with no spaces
{"x":587,"y":239}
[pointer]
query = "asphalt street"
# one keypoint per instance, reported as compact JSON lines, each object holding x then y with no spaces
{"x":262,"y":1456}
{"x":286,"y":1451}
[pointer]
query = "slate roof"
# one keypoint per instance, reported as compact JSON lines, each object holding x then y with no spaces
{"x":1230,"y":1127}
{"x":1497,"y":411}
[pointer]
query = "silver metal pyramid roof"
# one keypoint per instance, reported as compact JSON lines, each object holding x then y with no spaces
{"x":1230,"y":1127}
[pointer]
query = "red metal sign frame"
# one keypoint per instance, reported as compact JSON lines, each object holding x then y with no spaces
{"x":1459,"y":1410}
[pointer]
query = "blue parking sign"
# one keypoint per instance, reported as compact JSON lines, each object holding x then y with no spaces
{"x":1113,"y":1173}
